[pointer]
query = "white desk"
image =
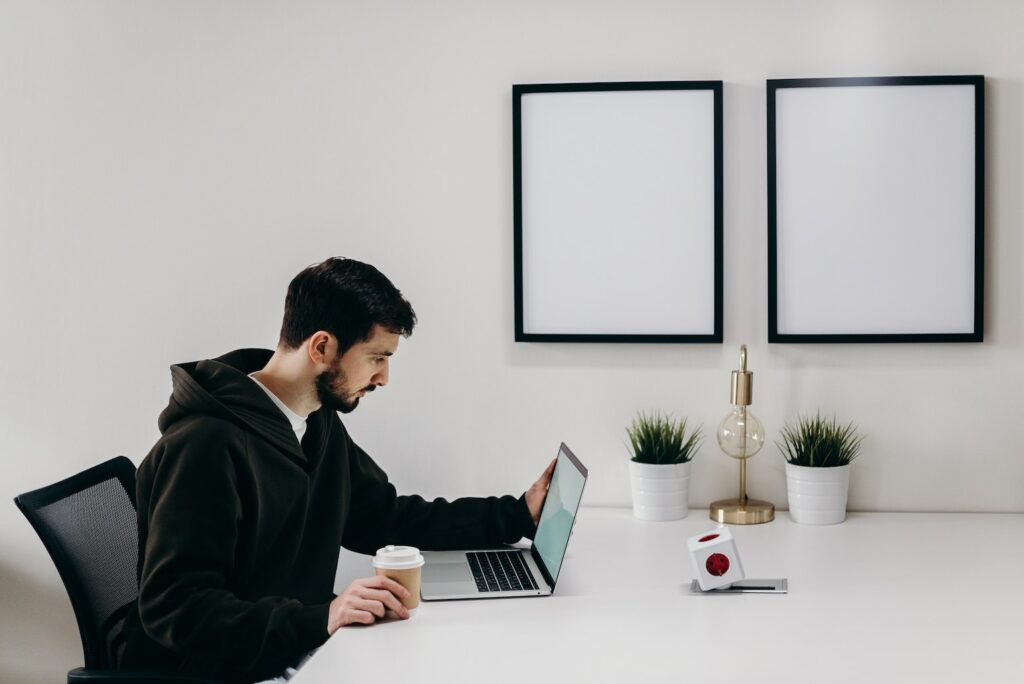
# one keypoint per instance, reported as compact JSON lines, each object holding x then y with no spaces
{"x":882,"y":597}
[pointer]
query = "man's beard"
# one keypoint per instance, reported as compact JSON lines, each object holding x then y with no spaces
{"x":332,"y":390}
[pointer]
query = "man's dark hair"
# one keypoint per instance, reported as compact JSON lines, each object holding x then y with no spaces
{"x":346,"y":298}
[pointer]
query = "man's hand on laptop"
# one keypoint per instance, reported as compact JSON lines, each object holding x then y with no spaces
{"x":537,"y":491}
{"x":367,"y":600}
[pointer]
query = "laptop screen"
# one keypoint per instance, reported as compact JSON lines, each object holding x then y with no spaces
{"x":559,"y":512}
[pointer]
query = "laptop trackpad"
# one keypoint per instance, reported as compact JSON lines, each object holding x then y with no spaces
{"x":447,"y":572}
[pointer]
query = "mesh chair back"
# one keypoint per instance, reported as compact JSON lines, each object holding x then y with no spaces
{"x":89,"y":526}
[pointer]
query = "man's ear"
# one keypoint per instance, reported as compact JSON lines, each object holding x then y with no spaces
{"x":321,"y":346}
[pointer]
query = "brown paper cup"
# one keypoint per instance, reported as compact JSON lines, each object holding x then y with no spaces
{"x":403,"y":564}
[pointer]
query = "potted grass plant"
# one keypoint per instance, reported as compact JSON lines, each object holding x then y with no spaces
{"x":818,"y":453}
{"x":659,"y":470}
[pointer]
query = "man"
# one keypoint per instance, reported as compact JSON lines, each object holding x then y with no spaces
{"x":255,"y":483}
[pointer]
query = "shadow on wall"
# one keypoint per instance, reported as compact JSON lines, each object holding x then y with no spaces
{"x":39,"y":640}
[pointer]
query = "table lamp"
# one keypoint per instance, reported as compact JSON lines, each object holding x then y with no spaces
{"x":741,"y":435}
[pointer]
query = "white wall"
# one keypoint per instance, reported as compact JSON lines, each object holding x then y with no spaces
{"x":165,"y":168}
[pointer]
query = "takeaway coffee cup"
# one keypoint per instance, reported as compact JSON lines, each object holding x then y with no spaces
{"x":404,"y":564}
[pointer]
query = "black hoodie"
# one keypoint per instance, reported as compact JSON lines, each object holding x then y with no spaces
{"x":239,"y":526}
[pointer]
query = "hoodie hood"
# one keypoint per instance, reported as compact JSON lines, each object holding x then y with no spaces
{"x":222,"y":388}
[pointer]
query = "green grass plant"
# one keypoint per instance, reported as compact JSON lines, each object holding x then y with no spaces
{"x":661,"y":439}
{"x":818,"y":442}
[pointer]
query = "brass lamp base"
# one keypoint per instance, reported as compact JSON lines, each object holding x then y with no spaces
{"x":752,"y":512}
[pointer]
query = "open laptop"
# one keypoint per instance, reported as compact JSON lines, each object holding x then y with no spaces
{"x":510,"y":572}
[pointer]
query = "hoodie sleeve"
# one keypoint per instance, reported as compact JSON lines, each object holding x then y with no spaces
{"x":378,"y":516}
{"x":194,"y":516}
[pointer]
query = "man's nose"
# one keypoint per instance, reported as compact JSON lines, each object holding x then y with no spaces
{"x":381,"y":378}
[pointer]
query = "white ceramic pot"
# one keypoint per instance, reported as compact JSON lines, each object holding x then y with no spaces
{"x":817,"y":496}
{"x":660,"y":492}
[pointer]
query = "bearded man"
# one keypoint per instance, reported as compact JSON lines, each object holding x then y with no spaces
{"x":255,"y":483}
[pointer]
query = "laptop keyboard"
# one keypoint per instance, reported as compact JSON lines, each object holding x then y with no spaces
{"x":500,"y":571}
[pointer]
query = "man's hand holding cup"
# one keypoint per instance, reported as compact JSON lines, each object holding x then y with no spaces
{"x":366,"y":600}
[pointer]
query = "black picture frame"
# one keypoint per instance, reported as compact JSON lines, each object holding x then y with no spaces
{"x":922,"y":197}
{"x":709,"y":297}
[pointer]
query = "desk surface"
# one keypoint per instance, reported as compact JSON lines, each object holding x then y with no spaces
{"x":882,"y":597}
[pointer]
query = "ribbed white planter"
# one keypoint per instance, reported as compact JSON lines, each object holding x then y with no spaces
{"x":660,"y":492}
{"x":817,"y":496}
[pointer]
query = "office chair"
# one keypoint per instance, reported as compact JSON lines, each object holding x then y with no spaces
{"x":88,"y":525}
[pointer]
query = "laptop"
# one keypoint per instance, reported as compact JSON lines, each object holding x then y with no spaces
{"x":511,"y":572}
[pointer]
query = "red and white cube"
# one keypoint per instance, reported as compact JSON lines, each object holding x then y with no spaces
{"x":715,"y":559}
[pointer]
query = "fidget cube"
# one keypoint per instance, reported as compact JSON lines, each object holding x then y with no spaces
{"x":715,"y":559}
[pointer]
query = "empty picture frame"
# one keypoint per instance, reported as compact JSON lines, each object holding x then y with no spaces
{"x":875,"y":209}
{"x":618,"y":211}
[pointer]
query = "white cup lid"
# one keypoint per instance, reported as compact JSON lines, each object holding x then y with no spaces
{"x":398,"y":558}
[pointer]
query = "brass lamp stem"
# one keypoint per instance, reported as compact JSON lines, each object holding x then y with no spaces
{"x":743,"y":482}
{"x":743,"y":449}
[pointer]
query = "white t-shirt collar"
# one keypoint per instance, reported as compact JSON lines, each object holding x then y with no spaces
{"x":298,"y":422}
